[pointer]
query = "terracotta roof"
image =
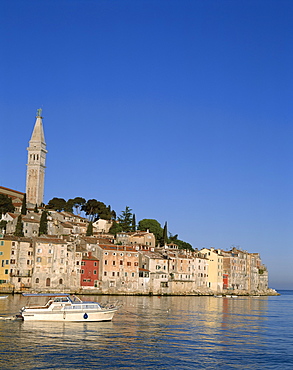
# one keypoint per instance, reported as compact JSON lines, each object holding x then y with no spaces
{"x":117,"y":247}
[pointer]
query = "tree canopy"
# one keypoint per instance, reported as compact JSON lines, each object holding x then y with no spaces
{"x":23,"y":206}
{"x":95,"y":210}
{"x":57,"y":204}
{"x":19,"y":227}
{"x":6,"y":204}
{"x":90,"y":230}
{"x":153,"y":226}
{"x":126,"y":219}
{"x":43,"y":229}
{"x":115,"y":228}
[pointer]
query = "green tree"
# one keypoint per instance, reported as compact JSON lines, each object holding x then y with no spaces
{"x":133,"y":224}
{"x":43,"y":229}
{"x":95,"y":209}
{"x":115,"y":228}
{"x":69,"y":206}
{"x":23,"y":206}
{"x":6,"y":204}
{"x":78,"y":203}
{"x":165,"y":236}
{"x":36,"y":209}
{"x":3,"y":224}
{"x":19,"y":227}
{"x":57,"y":204}
{"x":153,"y":226}
{"x":90,"y":230}
{"x":125,"y":219}
{"x":181,"y":244}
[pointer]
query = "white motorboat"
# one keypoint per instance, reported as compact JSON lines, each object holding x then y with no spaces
{"x":3,"y":296}
{"x":64,"y":307}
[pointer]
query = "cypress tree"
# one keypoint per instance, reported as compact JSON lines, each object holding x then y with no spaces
{"x":23,"y":206}
{"x":89,"y":231}
{"x":133,"y":223}
{"x":43,"y":229}
{"x":19,"y":227}
{"x":165,"y":236}
{"x":36,"y":209}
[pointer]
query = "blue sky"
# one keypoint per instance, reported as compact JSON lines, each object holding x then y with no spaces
{"x":181,"y":110}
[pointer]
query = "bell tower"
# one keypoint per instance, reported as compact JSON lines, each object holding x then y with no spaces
{"x":35,"y":174}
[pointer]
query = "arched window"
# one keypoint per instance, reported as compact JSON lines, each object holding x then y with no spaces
{"x":48,"y":281}
{"x":60,"y":281}
{"x":37,"y":280}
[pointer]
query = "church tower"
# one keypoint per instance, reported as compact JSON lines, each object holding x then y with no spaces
{"x":35,"y":175}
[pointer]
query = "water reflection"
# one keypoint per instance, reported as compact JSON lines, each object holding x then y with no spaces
{"x":148,"y":332}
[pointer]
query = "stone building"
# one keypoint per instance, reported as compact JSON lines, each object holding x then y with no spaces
{"x":215,"y":276}
{"x":35,"y":176}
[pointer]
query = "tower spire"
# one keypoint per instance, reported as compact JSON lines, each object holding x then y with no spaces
{"x":35,"y":176}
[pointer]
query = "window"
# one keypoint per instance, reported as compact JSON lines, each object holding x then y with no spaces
{"x":6,"y":272}
{"x":60,"y":281}
{"x":133,"y":274}
{"x":114,"y":263}
{"x":114,"y":254}
{"x":105,"y":273}
{"x":128,"y":263}
{"x":37,"y":280}
{"x":82,"y":263}
{"x":12,"y":262}
{"x":48,"y":282}
{"x":95,"y":272}
{"x":39,"y":250}
{"x":106,"y":262}
{"x":121,"y":262}
{"x":28,"y":262}
{"x":39,"y":259}
{"x":95,"y":263}
{"x":113,"y":273}
{"x":82,"y":271}
{"x":2,"y":242}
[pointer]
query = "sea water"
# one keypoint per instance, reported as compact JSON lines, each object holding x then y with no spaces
{"x":157,"y":333}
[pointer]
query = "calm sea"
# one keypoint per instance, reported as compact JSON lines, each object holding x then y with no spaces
{"x":157,"y":333}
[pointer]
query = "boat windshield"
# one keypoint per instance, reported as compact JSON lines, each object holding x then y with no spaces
{"x":61,"y":299}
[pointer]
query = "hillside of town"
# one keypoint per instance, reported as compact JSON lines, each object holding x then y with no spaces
{"x":81,"y":246}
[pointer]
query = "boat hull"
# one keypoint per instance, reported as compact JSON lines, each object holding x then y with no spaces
{"x":77,"y":315}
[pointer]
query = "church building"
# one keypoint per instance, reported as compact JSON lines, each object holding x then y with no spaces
{"x":35,"y":176}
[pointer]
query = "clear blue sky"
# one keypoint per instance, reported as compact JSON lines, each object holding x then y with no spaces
{"x":181,"y":110}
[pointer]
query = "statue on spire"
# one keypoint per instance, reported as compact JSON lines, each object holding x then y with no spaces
{"x":39,"y":112}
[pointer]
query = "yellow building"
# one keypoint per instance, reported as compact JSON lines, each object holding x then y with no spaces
{"x":5,"y":253}
{"x":215,"y":277}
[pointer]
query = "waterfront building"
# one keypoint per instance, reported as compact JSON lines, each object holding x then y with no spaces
{"x":5,"y":253}
{"x":153,"y":272}
{"x":35,"y":176}
{"x":89,"y":272}
{"x":118,"y":268}
{"x":55,"y":265}
{"x":215,"y":275}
